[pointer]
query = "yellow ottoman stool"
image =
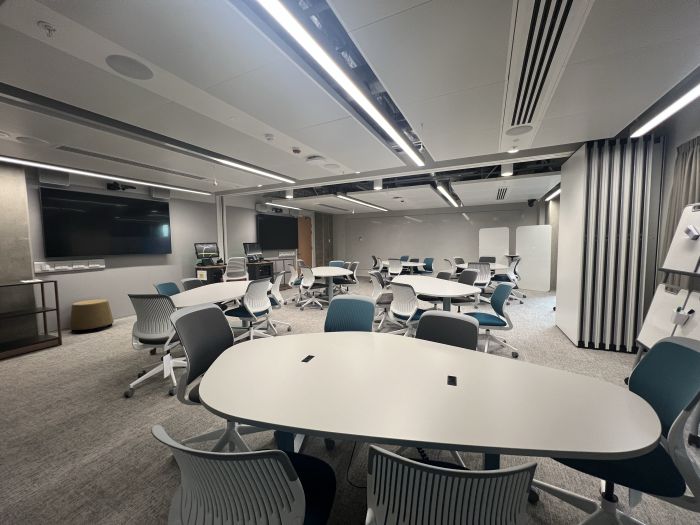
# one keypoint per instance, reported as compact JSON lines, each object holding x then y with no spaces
{"x":90,"y":315}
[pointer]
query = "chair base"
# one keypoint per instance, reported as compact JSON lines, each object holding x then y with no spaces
{"x":313,"y":301}
{"x":158,"y":369}
{"x":230,"y":437}
{"x":274,"y":324}
{"x":500,"y":342}
{"x":251,"y":333}
{"x":604,"y":511}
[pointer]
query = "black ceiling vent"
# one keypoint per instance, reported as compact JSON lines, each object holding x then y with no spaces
{"x":546,"y":27}
{"x":120,"y":160}
{"x":501,"y":194}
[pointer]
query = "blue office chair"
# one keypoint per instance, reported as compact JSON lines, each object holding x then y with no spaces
{"x":168,"y":288}
{"x":668,"y":378}
{"x":403,"y":258}
{"x":427,"y":266}
{"x":350,"y":314}
{"x":498,"y":321}
{"x":336,"y":264}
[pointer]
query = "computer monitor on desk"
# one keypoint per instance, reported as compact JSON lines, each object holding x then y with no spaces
{"x":206,"y":252}
{"x":252,"y":251}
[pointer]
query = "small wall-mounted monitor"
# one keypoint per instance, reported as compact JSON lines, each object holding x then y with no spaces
{"x":206,"y":250}
{"x":252,"y":248}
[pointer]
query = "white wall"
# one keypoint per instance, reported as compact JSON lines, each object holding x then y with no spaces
{"x":441,"y":234}
{"x":570,"y":256}
{"x":190,"y":221}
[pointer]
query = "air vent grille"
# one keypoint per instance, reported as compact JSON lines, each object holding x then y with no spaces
{"x":546,"y":27}
{"x":501,"y":194}
{"x":128,"y":162}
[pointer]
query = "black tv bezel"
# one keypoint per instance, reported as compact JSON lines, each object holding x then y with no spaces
{"x":218,"y":252}
{"x":276,"y":215}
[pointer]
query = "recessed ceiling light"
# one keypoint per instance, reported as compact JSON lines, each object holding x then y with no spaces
{"x":362,"y":203}
{"x":251,"y":169}
{"x":666,"y":113}
{"x":289,"y":194}
{"x":33,"y":141}
{"x":443,"y":191}
{"x":377,"y":185}
{"x":552,"y":195}
{"x":506,"y":170}
{"x":93,"y":174}
{"x":514,"y":149}
{"x":129,"y":67}
{"x":518,"y":130}
{"x":331,"y":166}
{"x":465,"y":216}
{"x":259,"y":185}
{"x":290,"y":24}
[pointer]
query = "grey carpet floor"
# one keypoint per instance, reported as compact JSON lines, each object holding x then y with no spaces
{"x":75,"y":451}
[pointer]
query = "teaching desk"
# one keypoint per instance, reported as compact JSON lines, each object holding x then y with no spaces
{"x":380,"y":388}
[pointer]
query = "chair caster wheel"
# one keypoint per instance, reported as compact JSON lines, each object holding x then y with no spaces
{"x":533,"y":497}
{"x":289,"y":329}
{"x":171,"y":391}
{"x":129,"y":393}
{"x":153,"y":351}
{"x":514,"y":355}
{"x":329,"y":443}
{"x":141,"y":373}
{"x":302,"y":308}
{"x":627,"y":380}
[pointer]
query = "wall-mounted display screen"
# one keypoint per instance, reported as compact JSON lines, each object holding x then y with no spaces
{"x":277,"y":232}
{"x":78,"y":224}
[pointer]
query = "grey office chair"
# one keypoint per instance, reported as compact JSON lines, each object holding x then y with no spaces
{"x":152,"y":330}
{"x":269,"y":486}
{"x":205,"y":334}
{"x":458,"y":260}
{"x":307,"y":288}
{"x":191,"y":283}
{"x":468,"y":277}
{"x":487,"y":259}
{"x":395,"y":268}
{"x":483,"y":279}
{"x":404,"y":310}
{"x":277,"y":300}
{"x":236,"y":269}
{"x":451,"y":267}
{"x":512,"y":276}
{"x":449,"y":328}
{"x":254,"y":311}
{"x":498,"y":321}
{"x":381,"y":296}
{"x":401,"y":490}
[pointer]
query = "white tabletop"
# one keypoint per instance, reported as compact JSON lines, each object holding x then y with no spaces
{"x":425,"y":285}
{"x":210,"y":293}
{"x":494,"y":266}
{"x":405,"y":263}
{"x":330,"y":271}
{"x":382,"y":388}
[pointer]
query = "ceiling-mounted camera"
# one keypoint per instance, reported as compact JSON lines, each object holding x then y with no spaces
{"x":531,"y":202}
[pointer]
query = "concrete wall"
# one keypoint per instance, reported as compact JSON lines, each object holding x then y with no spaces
{"x":440,"y":234}
{"x":190,"y":221}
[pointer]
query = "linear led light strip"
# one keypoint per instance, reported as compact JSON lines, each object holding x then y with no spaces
{"x":251,"y":169}
{"x":447,"y":195}
{"x":362,"y":203}
{"x":669,"y":111}
{"x":63,"y":169}
{"x":282,"y":206}
{"x":552,"y":195}
{"x":290,"y":24}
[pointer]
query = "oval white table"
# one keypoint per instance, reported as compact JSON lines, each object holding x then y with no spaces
{"x":412,"y":265}
{"x":495,"y":267}
{"x":212,"y":293}
{"x":327,"y":273}
{"x":381,"y":388}
{"x":425,"y":285}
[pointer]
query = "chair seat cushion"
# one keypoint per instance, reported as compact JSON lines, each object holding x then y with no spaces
{"x":501,"y":277}
{"x":415,"y":317}
{"x":153,"y":340}
{"x":295,"y":282}
{"x":486,"y":319}
{"x":654,"y":473}
{"x":241,"y":312}
{"x":318,"y":479}
{"x":385,"y":299}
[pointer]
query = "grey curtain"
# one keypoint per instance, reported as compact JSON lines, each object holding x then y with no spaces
{"x":685,"y":189}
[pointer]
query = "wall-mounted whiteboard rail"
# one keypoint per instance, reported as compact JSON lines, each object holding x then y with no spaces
{"x":534,"y":245}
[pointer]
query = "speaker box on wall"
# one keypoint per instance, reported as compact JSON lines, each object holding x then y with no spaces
{"x":54,"y":178}
{"x":159,"y":193}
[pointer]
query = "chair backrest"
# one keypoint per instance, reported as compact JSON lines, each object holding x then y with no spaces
{"x":293,"y":273}
{"x":377,"y":283}
{"x":347,"y":265}
{"x":468,"y":276}
{"x":275,"y":291}
{"x":350,"y":313}
{"x":152,"y":315}
{"x":375,"y":262}
{"x":307,"y":277}
{"x":167,"y":288}
{"x":484,"y":270}
{"x":395,"y":266}
{"x":191,"y":283}
{"x":668,"y":378}
{"x":337,"y":264}
{"x":204,"y":333}
{"x":414,"y":259}
{"x":301,"y":263}
{"x":236,"y":269}
{"x":449,"y":328}
{"x":428,"y":264}
{"x":458,"y":260}
{"x":234,"y":488}
{"x":353,"y":268}
{"x":514,"y":265}
{"x":444,"y":275}
{"x":499,"y":297}
{"x":403,"y":258}
{"x":256,"y":299}
{"x":488,"y":259}
{"x":405,"y":300}
{"x":400,"y":490}
{"x":451,"y":266}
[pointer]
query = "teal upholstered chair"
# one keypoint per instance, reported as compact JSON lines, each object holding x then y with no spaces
{"x":498,"y":320}
{"x":350,"y":313}
{"x":336,"y":264}
{"x":668,"y":378}
{"x":168,"y":288}
{"x":427,"y":266}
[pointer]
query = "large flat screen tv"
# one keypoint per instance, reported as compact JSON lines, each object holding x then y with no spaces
{"x":277,"y":232}
{"x":78,"y":224}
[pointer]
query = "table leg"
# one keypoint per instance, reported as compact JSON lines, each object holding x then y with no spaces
{"x":288,"y":441}
{"x":447,"y":304}
{"x":329,"y":283}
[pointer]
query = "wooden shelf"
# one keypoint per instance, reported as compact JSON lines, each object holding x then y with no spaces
{"x":28,"y":344}
{"x":28,"y":311}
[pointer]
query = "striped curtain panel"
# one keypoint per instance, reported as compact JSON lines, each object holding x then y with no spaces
{"x":616,"y":241}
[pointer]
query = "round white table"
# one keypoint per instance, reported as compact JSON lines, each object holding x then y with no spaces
{"x":495,"y":267}
{"x":328,"y":273}
{"x":412,"y":265}
{"x":425,"y":285}
{"x":381,"y":388}
{"x":210,"y":293}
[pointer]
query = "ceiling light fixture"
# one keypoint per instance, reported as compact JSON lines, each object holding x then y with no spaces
{"x":552,"y":195}
{"x":669,"y":111}
{"x":275,"y":205}
{"x":514,"y":149}
{"x":377,"y":184}
{"x":506,"y":170}
{"x":289,"y":194}
{"x":411,"y":218}
{"x":251,"y":169}
{"x":72,"y":171}
{"x":361,"y":203}
{"x":465,"y":216}
{"x":284,"y":18}
{"x":443,"y":191}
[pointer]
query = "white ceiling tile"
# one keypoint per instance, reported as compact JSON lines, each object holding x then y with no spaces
{"x":357,"y":13}
{"x":519,"y":189}
{"x":408,"y":198}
